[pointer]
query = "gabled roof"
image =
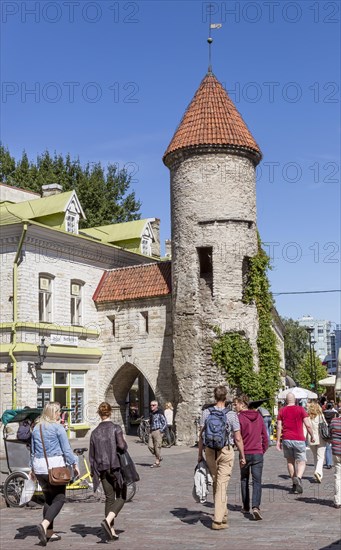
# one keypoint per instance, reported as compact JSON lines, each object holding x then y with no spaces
{"x":119,"y":231}
{"x":7,"y":217}
{"x":212,"y":119}
{"x":131,"y":283}
{"x":38,"y":208}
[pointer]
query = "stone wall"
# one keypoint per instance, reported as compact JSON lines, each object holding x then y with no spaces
{"x":213,"y":206}
{"x":128,"y":349}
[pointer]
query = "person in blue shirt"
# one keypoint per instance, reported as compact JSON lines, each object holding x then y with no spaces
{"x":59,"y":453}
{"x":158,"y":425}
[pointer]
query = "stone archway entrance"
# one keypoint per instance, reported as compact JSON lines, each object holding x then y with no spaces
{"x":130,"y":394}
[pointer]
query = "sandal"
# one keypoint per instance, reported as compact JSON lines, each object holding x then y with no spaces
{"x":155,"y":465}
{"x":107,"y":529}
{"x":54,"y":537}
{"x":42,"y":534}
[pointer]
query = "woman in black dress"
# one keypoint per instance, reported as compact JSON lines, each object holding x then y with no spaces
{"x":105,"y":442}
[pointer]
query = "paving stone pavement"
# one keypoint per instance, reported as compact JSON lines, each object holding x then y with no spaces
{"x":164,"y":516}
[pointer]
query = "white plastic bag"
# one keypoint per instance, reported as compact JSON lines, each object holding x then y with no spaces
{"x":27,"y":492}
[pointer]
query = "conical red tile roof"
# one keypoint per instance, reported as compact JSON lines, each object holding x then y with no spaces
{"x":212,"y":119}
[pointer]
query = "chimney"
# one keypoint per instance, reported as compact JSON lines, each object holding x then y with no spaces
{"x":168,"y":249}
{"x":51,"y":189}
{"x":156,"y":230}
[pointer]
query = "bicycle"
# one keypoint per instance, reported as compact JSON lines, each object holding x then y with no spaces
{"x":143,"y":432}
{"x":168,"y":440}
{"x":18,"y":460}
{"x":14,"y":484}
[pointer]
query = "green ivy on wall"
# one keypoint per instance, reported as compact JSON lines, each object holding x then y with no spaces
{"x":232,"y":351}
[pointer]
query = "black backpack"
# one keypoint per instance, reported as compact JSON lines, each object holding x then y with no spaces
{"x":215,"y":433}
{"x":24,"y":431}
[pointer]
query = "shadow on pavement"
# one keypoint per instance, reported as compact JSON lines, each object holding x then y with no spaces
{"x":84,"y":530}
{"x":191,"y":517}
{"x":333,"y":546}
{"x":29,"y":531}
{"x":322,"y":502}
{"x":275,"y":486}
{"x":208,"y":504}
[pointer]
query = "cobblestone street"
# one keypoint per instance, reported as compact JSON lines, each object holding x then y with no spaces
{"x":163,"y":514}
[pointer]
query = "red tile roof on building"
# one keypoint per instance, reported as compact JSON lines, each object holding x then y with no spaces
{"x":212,"y":119}
{"x":132,"y":283}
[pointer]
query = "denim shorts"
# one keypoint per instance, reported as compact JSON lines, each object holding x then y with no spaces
{"x":294,"y":449}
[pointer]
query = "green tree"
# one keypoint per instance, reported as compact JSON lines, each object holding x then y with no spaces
{"x":295,"y":346}
{"x":104,"y":193}
{"x":309,"y":370}
{"x":7,"y":165}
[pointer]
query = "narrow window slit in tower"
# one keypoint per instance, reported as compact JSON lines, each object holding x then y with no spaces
{"x":245,"y":274}
{"x":206,"y":266}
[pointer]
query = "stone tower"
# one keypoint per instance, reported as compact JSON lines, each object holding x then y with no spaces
{"x":212,"y":159}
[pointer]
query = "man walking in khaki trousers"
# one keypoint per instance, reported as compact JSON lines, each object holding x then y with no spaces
{"x":220,"y":461}
{"x":158,"y":425}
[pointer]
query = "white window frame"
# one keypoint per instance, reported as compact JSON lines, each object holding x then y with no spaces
{"x":71,"y":387}
{"x":76,"y":303}
{"x":45,"y":297}
{"x":71,"y":222}
{"x":146,"y":245}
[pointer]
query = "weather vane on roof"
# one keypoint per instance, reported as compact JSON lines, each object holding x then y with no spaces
{"x":210,"y":39}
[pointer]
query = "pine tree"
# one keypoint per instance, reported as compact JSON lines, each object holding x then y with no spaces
{"x":7,"y":166}
{"x":103,"y":193}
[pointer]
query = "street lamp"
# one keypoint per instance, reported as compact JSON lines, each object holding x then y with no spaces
{"x":313,"y":342}
{"x":33,"y":368}
{"x":310,"y":331}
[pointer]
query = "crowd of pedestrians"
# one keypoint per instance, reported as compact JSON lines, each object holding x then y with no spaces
{"x":297,"y":430}
{"x":227,"y":424}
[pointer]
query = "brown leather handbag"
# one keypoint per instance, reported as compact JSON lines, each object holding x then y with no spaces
{"x":57,"y":476}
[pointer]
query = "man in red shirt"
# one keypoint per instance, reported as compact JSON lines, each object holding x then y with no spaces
{"x":290,"y":421}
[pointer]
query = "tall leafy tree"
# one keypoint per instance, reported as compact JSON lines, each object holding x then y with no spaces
{"x":104,"y":192}
{"x":310,"y":371}
{"x":296,"y":347}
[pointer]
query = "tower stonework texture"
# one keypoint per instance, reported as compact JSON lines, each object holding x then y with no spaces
{"x":212,"y":159}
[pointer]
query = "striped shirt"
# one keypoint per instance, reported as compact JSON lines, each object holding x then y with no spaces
{"x":335,"y":429}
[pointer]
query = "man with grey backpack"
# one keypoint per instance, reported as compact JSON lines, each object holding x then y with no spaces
{"x":220,"y":430}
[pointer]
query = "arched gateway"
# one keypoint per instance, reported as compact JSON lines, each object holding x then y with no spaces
{"x":129,"y":393}
{"x":134,"y":305}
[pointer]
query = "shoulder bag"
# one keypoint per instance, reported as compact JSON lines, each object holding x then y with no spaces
{"x":127,"y":468}
{"x":57,"y":476}
{"x":324,"y":429}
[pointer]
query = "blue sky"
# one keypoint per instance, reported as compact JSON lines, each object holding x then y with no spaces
{"x":109,"y":81}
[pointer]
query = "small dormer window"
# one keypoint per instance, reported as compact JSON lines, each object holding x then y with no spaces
{"x":146,"y":246}
{"x":72,"y":222}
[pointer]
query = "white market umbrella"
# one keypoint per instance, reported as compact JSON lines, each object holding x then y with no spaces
{"x":299,"y":393}
{"x":338,"y":373}
{"x":329,"y":381}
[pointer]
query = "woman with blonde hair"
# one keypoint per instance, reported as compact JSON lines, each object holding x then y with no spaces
{"x":168,"y":412}
{"x":318,"y":445}
{"x":59,"y":453}
{"x":105,"y":441}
